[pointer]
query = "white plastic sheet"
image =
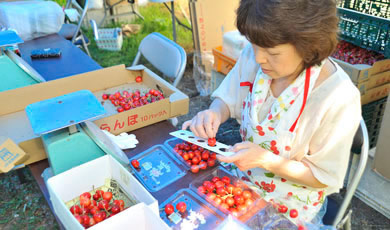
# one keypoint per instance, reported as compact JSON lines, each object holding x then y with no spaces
{"x":31,"y":19}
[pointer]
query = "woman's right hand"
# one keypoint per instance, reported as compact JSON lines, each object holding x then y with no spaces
{"x":205,"y":124}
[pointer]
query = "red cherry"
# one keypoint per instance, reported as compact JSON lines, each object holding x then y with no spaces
{"x":105,"y":96}
{"x":195,"y":168}
{"x":181,"y":206}
{"x":212,"y":141}
{"x":293,"y":213}
{"x":75,"y":209}
{"x":107,"y":196}
{"x":138,"y":79}
{"x":229,"y":201}
{"x":169,"y":209}
{"x":202,"y":189}
{"x":135,"y":164}
{"x":115,"y":209}
{"x":247,"y":195}
{"x":210,"y":162}
{"x":203,"y":165}
{"x":226,"y":180}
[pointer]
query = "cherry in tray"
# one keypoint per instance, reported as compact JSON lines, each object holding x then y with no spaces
{"x":196,"y":157}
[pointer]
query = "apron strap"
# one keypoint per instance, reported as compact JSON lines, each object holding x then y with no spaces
{"x":247,"y":83}
{"x":305,"y":93}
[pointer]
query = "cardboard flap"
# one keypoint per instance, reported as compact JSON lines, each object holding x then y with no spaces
{"x":10,"y":154}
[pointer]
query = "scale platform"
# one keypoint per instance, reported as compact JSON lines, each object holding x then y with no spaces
{"x":69,"y":138}
{"x":14,"y":71}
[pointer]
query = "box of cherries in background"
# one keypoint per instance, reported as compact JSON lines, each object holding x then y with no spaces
{"x":353,"y":54}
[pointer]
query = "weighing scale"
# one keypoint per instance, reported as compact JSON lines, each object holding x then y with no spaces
{"x":68,"y":135}
{"x":14,"y":71}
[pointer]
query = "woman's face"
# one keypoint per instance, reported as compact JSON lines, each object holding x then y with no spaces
{"x":280,"y":61}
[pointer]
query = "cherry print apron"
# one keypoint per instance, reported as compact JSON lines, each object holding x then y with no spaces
{"x":276,"y":134}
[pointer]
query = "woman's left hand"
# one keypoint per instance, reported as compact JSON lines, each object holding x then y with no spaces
{"x":248,"y":155}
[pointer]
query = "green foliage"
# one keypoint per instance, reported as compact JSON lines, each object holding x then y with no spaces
{"x":157,"y":19}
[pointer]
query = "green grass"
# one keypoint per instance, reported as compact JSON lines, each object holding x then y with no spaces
{"x":157,"y":19}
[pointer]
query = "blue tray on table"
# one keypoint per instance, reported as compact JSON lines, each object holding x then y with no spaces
{"x":158,"y":168}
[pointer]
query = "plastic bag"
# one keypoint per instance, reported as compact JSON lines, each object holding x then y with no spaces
{"x":31,"y":19}
{"x":203,"y":63}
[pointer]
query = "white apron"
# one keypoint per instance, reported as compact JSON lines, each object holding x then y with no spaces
{"x":276,"y":134}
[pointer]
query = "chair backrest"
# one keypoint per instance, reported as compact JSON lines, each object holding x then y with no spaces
{"x":82,"y":5}
{"x":359,"y":146}
{"x":164,"y":54}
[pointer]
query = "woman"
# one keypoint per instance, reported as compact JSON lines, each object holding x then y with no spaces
{"x":298,"y":110}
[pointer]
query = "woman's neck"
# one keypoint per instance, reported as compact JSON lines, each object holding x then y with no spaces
{"x":280,"y":84}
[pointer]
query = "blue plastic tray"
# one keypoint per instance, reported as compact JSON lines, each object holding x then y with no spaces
{"x":211,"y":216}
{"x":158,"y":168}
{"x":63,"y":111}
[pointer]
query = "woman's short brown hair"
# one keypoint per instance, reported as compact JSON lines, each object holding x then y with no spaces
{"x":310,"y":25}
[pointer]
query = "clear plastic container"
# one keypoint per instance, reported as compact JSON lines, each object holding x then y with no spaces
{"x":158,"y":168}
{"x":171,"y":143}
{"x":198,"y":212}
{"x":256,"y":205}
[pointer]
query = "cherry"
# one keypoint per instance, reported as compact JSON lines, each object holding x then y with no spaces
{"x":75,"y":209}
{"x":105,"y":96}
{"x":115,"y":209}
{"x":293,"y":213}
{"x":138,"y":79}
{"x":211,"y":141}
{"x":107,"y":196}
{"x":169,"y":209}
{"x":195,"y":168}
{"x":135,"y":164}
{"x":226,"y":180}
{"x":247,"y":195}
{"x":181,"y":206}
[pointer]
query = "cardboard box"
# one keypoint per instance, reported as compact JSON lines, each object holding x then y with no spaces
{"x":140,"y":218}
{"x":72,"y":183}
{"x":14,"y":123}
{"x":375,"y":94}
{"x":360,"y":72}
{"x":382,"y":153}
{"x":210,"y":24}
{"x":374,"y":81}
{"x":10,"y":154}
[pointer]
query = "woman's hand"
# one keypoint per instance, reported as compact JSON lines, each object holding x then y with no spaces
{"x":205,"y":124}
{"x":248,"y":155}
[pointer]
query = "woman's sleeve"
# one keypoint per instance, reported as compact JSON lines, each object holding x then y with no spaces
{"x":330,"y":146}
{"x":229,"y":90}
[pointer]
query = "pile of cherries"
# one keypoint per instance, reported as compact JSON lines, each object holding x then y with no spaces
{"x":227,"y":197}
{"x":126,"y":100}
{"x":96,"y":208}
{"x":356,"y":55}
{"x":195,"y":156}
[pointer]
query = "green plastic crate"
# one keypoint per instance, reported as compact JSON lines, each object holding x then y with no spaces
{"x":379,"y":8}
{"x":364,"y":30}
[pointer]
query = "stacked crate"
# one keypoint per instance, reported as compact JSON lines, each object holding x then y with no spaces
{"x":366,"y":24}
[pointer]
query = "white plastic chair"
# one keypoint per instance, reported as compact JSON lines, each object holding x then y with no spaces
{"x":359,"y":147}
{"x":164,"y":54}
